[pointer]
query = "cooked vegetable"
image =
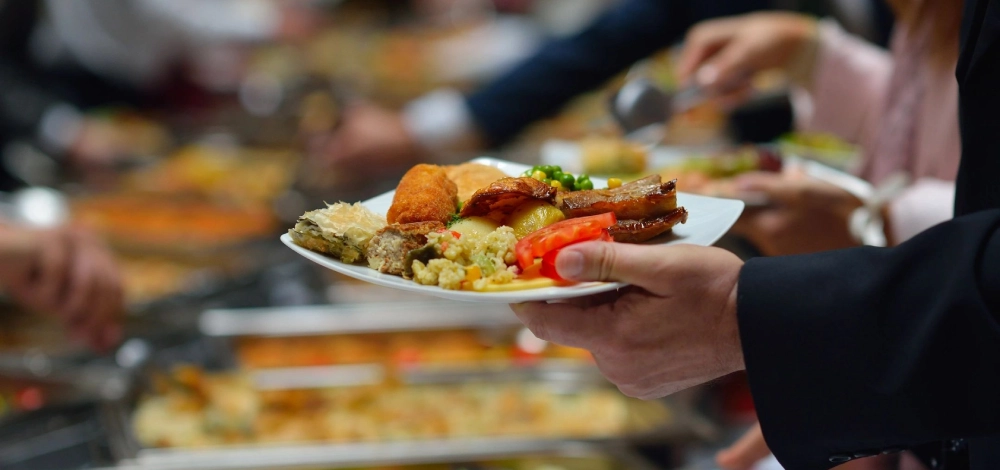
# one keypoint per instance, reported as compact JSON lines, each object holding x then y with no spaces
{"x":614,"y":183}
{"x":554,"y":175}
{"x":562,"y":234}
{"x":484,"y":263}
{"x":424,"y":255}
{"x":474,"y":225}
{"x":533,"y":216}
{"x":568,"y":181}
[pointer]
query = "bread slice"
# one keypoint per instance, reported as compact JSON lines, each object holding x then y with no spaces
{"x":341,"y":230}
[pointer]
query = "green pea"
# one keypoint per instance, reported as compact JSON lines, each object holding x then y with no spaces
{"x":549,"y":169}
{"x":557,"y":168}
{"x":583,"y":176}
{"x":567,"y":181}
{"x":584,"y":185}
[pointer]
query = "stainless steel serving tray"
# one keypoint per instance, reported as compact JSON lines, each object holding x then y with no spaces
{"x":367,"y":455}
{"x":222,"y":327}
{"x":424,"y":315}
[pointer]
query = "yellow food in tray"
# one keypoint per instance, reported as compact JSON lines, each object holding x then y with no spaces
{"x":224,"y":409}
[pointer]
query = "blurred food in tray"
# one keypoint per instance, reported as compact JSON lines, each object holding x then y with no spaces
{"x":709,"y":174}
{"x":190,"y":408}
{"x":150,"y":278}
{"x":824,"y":148}
{"x":131,"y":133}
{"x":459,"y":348}
{"x":612,"y":156}
{"x":232,"y":174}
{"x":22,"y":332}
{"x":158,"y":223}
{"x":572,"y":461}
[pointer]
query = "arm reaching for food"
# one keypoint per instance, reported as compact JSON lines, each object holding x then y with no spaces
{"x":65,"y":272}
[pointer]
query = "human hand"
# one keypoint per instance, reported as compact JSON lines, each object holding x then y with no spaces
{"x":65,"y":272}
{"x":722,"y":55}
{"x":745,"y":452}
{"x":673,"y":328}
{"x":807,"y":216}
{"x":370,"y":139}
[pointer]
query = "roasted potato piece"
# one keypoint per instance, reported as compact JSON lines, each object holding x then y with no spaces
{"x":475,"y":225}
{"x":533,"y":216}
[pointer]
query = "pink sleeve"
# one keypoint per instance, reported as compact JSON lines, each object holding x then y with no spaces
{"x":848,"y":86}
{"x":923,"y":205}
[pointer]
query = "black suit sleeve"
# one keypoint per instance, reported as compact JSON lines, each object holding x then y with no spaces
{"x":856,"y":352}
{"x":567,"y":67}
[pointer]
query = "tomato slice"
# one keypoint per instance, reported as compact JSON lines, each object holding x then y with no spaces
{"x":561,"y":234}
{"x":548,"y":268}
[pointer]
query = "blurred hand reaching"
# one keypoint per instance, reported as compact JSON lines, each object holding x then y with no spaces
{"x":722,"y":55}
{"x":806,"y":215}
{"x":369,"y":141}
{"x":68,"y":273}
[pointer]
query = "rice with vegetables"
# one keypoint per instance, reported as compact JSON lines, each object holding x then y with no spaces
{"x":470,"y":261}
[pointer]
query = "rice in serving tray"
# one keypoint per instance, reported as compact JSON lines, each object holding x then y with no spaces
{"x":470,"y":261}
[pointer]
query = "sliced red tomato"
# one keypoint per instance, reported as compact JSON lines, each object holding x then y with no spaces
{"x":549,"y":259}
{"x":561,"y":234}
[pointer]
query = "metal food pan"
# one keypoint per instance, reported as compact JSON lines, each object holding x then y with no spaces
{"x":586,"y":455}
{"x":354,"y":318}
{"x":678,"y":424}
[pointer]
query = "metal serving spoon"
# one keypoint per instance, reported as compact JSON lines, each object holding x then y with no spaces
{"x":642,"y":108}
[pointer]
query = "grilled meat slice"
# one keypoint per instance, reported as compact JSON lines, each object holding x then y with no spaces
{"x":505,"y":195}
{"x":387,"y":250}
{"x":638,"y":231}
{"x":642,"y":199}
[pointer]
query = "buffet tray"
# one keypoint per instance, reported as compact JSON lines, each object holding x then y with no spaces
{"x":371,"y":455}
{"x":354,"y":318}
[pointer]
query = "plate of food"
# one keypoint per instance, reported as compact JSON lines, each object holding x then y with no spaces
{"x":488,"y":230}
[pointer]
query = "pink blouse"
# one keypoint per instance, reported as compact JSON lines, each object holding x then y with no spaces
{"x":847,"y":99}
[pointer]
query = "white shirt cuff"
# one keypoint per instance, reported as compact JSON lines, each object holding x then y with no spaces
{"x":440,"y":121}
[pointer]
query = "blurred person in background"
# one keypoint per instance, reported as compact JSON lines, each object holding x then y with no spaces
{"x":376,"y":140}
{"x":900,"y":106}
{"x":59,"y":58}
{"x":65,"y":272}
{"x":446,"y":122}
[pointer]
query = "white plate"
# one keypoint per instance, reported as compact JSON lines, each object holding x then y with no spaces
{"x":568,"y":154}
{"x":708,"y":220}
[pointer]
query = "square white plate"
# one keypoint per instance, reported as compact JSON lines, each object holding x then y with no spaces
{"x":709,"y":219}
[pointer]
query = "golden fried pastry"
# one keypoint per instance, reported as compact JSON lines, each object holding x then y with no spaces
{"x":425,"y":194}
